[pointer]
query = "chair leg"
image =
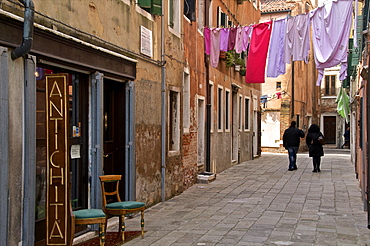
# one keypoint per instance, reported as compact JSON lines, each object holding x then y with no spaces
{"x":122,"y":224}
{"x":102,"y":233}
{"x":142,"y":224}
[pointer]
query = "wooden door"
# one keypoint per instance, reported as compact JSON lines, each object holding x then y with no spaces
{"x":330,"y":129}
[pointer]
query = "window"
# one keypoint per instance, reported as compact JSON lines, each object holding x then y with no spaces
{"x":278,"y":85}
{"x":220,"y":108}
{"x":174,"y":126}
{"x":222,"y":18}
{"x":240,"y":113}
{"x":330,"y":85}
{"x":227,"y":110}
{"x":246,"y":113}
{"x":189,"y":9}
{"x":200,"y":20}
{"x":186,"y":101}
{"x":174,"y":15}
{"x":152,"y":6}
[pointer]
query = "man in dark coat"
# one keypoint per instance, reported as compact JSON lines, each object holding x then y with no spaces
{"x":291,"y":142}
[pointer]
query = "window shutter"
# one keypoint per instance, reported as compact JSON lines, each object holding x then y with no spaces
{"x":152,"y":6}
{"x":144,"y":3}
{"x":157,"y":7}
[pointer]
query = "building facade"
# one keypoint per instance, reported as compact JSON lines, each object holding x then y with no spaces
{"x":113,"y":87}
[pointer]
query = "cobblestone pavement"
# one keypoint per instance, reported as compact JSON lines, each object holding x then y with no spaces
{"x":260,"y":202}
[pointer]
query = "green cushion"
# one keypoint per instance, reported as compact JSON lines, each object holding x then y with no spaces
{"x":125,"y":205}
{"x":89,"y":214}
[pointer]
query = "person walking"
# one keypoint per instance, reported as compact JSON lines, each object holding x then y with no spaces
{"x":347,"y":138}
{"x":291,"y":142}
{"x":314,"y":141}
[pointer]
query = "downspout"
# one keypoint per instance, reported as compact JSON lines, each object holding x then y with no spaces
{"x":163,"y":68}
{"x":27,"y":30}
{"x":208,"y":94}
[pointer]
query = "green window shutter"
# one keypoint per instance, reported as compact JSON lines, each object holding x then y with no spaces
{"x":157,"y":7}
{"x":144,"y":3}
{"x":356,"y":52}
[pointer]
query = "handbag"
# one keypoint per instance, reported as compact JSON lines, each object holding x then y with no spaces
{"x":321,"y":140}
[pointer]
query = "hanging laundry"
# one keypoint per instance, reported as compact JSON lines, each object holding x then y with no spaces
{"x":239,"y":39}
{"x":331,"y":25}
{"x":224,"y":39}
{"x":247,"y":30}
{"x":207,"y":40}
{"x":276,"y":61}
{"x":232,"y":36}
{"x":279,"y":95}
{"x":255,"y":72}
{"x":343,"y":104}
{"x":215,"y":47}
{"x":297,"y":39}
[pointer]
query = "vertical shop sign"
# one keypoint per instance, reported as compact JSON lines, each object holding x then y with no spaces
{"x":57,"y":160}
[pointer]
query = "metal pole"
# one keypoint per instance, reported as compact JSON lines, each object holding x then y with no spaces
{"x":163,"y":93}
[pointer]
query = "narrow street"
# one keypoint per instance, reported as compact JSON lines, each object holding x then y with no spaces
{"x":260,"y":202}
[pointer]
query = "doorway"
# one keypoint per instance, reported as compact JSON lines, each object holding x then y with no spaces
{"x":201,"y":131}
{"x":330,"y":129}
{"x":114,"y":130}
{"x":236,"y":115}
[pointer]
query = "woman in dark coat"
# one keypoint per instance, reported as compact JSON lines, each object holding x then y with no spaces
{"x":314,"y":146}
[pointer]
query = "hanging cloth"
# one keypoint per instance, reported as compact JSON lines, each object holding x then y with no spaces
{"x":255,"y":72}
{"x":247,"y":30}
{"x":232,"y":36}
{"x":276,"y":62}
{"x":215,"y":47}
{"x":239,"y":40}
{"x":207,"y":40}
{"x":331,"y":25}
{"x":343,"y":104}
{"x":297,"y":39}
{"x":224,"y":39}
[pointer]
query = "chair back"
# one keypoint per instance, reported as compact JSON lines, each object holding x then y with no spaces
{"x":110,"y":179}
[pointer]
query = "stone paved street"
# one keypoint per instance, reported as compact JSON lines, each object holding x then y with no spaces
{"x":260,"y":202}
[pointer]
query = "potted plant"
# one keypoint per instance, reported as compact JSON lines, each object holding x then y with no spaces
{"x":242,"y":71}
{"x":230,"y":58}
{"x":239,"y":62}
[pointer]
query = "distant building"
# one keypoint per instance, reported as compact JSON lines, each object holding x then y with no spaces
{"x":293,"y":95}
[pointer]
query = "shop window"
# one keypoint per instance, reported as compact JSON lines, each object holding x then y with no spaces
{"x":152,"y":6}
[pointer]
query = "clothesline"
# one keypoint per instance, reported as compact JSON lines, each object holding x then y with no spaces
{"x":287,"y":40}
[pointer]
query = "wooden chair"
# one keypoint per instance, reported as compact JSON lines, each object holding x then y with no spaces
{"x":90,"y":217}
{"x":120,"y":208}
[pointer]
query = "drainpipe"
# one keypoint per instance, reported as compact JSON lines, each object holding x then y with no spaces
{"x":208,"y":107}
{"x":27,"y":30}
{"x":163,"y":154}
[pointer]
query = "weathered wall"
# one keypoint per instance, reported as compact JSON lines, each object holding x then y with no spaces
{"x":16,"y":85}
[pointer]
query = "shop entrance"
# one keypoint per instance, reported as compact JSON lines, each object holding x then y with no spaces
{"x":114,"y":130}
{"x":78,"y":140}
